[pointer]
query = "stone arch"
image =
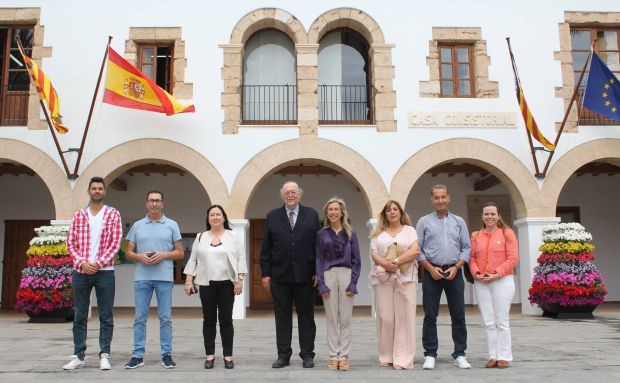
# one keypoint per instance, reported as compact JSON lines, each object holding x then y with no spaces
{"x":352,"y":18}
{"x":607,"y":150}
{"x":119,"y":159}
{"x":355,"y":167}
{"x":263,"y":18}
{"x":49,"y":171}
{"x":504,"y":165}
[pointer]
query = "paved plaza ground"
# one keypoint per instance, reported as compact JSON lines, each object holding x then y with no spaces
{"x":545,"y":350}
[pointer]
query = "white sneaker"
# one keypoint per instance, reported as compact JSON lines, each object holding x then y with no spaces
{"x":104,"y":361}
{"x":461,"y":362}
{"x":74,"y":363}
{"x":429,"y":363}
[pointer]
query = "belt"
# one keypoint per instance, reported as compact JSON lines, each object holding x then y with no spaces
{"x":444,"y":267}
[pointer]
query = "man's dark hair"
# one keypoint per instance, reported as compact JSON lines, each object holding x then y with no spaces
{"x":153,"y":192}
{"x":96,"y":180}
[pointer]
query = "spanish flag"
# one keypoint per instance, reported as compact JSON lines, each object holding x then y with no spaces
{"x":127,"y":87}
{"x":46,"y":91}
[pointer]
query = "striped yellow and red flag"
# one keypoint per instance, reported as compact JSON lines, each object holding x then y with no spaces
{"x":47,"y":93}
{"x":530,"y":123}
{"x":128,"y":87}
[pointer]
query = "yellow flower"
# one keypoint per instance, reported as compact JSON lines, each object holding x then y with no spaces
{"x":56,"y":250}
{"x":566,"y":247}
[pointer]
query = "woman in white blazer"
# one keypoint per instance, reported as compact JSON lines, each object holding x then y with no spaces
{"x":217,"y":266}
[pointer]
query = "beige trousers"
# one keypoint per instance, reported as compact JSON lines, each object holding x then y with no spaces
{"x":338,"y":312}
{"x":396,"y":324}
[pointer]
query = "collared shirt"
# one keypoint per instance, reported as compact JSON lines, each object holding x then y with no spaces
{"x":336,"y":250}
{"x":443,"y":241}
{"x":295,"y":212}
{"x":158,"y":236}
{"x":78,"y":238}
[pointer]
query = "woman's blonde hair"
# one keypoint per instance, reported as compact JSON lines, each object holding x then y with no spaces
{"x":382,"y":222}
{"x":344,"y":218}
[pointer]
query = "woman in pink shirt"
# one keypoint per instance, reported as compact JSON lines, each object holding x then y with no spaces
{"x":494,"y":255}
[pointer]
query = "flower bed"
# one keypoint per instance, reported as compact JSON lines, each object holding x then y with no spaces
{"x":565,"y":275}
{"x":45,"y":285}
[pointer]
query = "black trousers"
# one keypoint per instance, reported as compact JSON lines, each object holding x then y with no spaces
{"x":284,"y":295}
{"x":217,"y":302}
{"x":431,"y":295}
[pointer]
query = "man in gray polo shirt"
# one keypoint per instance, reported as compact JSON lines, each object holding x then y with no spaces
{"x":444,"y":249}
{"x":154,"y":243}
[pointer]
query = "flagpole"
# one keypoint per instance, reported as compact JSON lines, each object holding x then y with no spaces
{"x":90,"y":113}
{"x":527,"y":132}
{"x":47,"y":117}
{"x":572,"y":100}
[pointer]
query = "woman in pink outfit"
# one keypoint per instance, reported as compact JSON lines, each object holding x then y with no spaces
{"x":494,"y":255}
{"x":394,"y":281}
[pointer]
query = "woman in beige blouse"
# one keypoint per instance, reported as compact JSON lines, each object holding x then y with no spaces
{"x":217,"y":265}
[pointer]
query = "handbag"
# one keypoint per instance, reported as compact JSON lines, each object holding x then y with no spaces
{"x":394,"y":251}
{"x":466,"y":272}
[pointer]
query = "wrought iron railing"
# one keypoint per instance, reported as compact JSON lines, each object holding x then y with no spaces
{"x":588,"y":117}
{"x":344,"y":104}
{"x":13,"y":107}
{"x":269,"y":104}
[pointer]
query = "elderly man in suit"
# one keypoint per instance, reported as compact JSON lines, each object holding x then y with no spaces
{"x":288,"y":272}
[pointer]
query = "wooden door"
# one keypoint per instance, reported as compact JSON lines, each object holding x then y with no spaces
{"x":259,"y":298}
{"x":17,"y":235}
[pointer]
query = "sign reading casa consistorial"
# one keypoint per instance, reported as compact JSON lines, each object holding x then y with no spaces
{"x":462,"y":119}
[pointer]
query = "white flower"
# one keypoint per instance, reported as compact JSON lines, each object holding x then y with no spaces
{"x":48,"y":240}
{"x":566,"y":232}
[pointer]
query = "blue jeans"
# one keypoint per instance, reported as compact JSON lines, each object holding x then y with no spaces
{"x":143,"y":291}
{"x":103,"y":282}
{"x":431,"y":295}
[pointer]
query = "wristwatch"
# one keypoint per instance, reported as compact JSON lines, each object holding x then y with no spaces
{"x":240,"y":277}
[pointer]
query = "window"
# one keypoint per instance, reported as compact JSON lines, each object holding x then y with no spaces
{"x":344,"y":91}
{"x":456,"y":71}
{"x":156,"y":62}
{"x":14,"y":77}
{"x":606,"y":46}
{"x":458,"y":65}
{"x":269,"y":79}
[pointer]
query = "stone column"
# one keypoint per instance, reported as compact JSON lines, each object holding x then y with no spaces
{"x":241,"y":228}
{"x":231,"y":95}
{"x":384,"y":101}
{"x":530,"y":238}
{"x":371,"y":224}
{"x":307,"y":86}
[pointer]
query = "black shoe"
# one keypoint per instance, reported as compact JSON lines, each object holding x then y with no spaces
{"x":307,"y":363}
{"x":229,"y":364}
{"x":209,"y":363}
{"x":280,"y":363}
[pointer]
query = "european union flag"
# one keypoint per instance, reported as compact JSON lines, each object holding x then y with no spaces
{"x":603,"y":90}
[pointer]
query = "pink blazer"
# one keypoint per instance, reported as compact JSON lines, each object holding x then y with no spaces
{"x":496,"y":252}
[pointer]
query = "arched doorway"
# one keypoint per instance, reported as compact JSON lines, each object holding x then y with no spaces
{"x":323,"y":169}
{"x":583,"y":185}
{"x":33,"y":191}
{"x":475,"y":172}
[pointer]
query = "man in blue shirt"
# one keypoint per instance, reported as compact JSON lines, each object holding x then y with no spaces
{"x":154,"y":243}
{"x":444,"y":250}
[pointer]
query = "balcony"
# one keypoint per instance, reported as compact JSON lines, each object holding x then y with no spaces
{"x":269,"y":105}
{"x":13,"y":107}
{"x":344,"y":105}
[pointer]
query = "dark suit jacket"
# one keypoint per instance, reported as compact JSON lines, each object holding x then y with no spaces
{"x":288,"y":255}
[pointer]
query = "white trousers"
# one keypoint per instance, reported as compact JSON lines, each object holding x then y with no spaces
{"x":494,"y":301}
{"x":338,"y":312}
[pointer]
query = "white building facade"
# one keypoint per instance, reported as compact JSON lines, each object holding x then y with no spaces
{"x":366,"y":100}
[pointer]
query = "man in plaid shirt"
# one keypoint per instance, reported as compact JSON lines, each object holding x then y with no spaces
{"x":93,"y":241}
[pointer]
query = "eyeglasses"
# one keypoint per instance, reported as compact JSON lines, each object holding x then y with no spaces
{"x":154,"y":201}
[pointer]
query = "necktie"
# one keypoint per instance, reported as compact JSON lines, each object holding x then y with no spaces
{"x":291,"y":218}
